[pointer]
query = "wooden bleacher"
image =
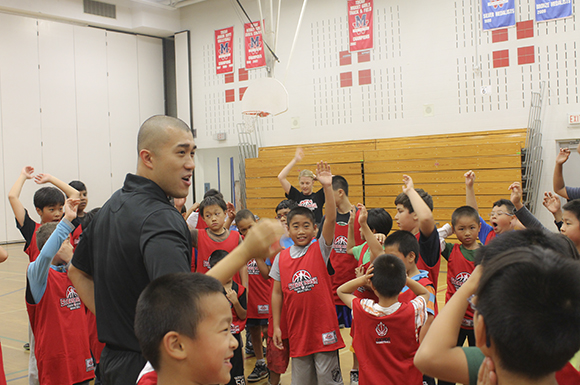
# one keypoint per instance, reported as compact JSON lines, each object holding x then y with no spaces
{"x":374,"y":169}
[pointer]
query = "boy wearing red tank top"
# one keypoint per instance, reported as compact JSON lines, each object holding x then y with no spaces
{"x":302,"y":285}
{"x":212,"y":210}
{"x":386,"y":333}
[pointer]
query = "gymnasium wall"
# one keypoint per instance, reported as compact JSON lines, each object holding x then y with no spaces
{"x":418,"y":80}
{"x":71,"y":101}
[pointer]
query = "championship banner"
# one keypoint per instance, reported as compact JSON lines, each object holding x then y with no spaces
{"x":550,"y":10}
{"x":254,"y":45}
{"x":224,"y":50}
{"x":498,"y":13}
{"x":360,"y":24}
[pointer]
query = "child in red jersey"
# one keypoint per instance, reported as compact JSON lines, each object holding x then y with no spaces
{"x":183,"y":320}
{"x":215,"y":237}
{"x":386,"y":333}
{"x":502,"y":218}
{"x":236,"y":295}
{"x":56,"y":313}
{"x":302,"y":285}
{"x":415,"y":214}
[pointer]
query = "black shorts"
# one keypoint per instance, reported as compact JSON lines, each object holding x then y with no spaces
{"x":252,"y":322}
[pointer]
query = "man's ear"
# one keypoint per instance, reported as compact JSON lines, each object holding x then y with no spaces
{"x":146,"y":157}
{"x":172,"y":344}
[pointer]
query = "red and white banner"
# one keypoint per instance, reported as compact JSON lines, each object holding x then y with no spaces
{"x":224,"y":50}
{"x":254,"y":45}
{"x":360,"y":24}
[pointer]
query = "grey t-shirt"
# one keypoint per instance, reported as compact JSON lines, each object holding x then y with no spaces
{"x":573,"y":192}
{"x":298,"y":252}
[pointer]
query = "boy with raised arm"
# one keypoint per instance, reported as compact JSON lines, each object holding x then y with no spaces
{"x":302,"y":285}
{"x":305,"y":196}
{"x":502,"y":218}
{"x":559,"y":185}
{"x":415,"y":214}
{"x":386,"y":333}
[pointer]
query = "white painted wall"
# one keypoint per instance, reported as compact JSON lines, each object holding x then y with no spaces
{"x":424,"y":55}
{"x":72,"y":99}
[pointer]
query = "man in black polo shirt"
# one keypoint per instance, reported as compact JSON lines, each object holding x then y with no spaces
{"x":136,"y":237}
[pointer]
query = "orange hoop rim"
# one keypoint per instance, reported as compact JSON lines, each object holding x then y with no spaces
{"x":261,"y":114}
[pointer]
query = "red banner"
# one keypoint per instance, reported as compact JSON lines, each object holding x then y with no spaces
{"x":224,"y":50}
{"x":254,"y":45}
{"x":360,"y":24}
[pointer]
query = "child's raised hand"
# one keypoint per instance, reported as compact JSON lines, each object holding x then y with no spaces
{"x":369,"y":274}
{"x":352,"y":215}
{"x":563,"y":155}
{"x":380,"y":237}
{"x":70,"y":208}
{"x":469,"y":178}
{"x":299,"y":155}
{"x":486,"y":374}
{"x":264,"y":239}
{"x":28,"y":172}
{"x":359,"y":271}
{"x":232,"y":296}
{"x":363,"y":215}
{"x":516,"y":195}
{"x":552,"y":202}
{"x":231,"y":210}
{"x":323,"y":174}
{"x":42,"y":178}
{"x":408,"y":181}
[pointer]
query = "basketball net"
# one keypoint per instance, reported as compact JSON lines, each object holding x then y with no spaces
{"x":251,"y":119}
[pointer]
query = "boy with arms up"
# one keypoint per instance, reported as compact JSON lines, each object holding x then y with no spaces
{"x":56,"y":313}
{"x":183,"y":320}
{"x":559,"y":185}
{"x":302,"y":285}
{"x":415,"y":214}
{"x":502,"y":218}
{"x":386,"y":333}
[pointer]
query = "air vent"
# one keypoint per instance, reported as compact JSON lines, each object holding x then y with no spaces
{"x":100,"y":9}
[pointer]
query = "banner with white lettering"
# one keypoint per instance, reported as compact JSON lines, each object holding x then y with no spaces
{"x":254,"y":45}
{"x":360,"y":24}
{"x":498,"y":13}
{"x":550,"y":10}
{"x":224,"y":50}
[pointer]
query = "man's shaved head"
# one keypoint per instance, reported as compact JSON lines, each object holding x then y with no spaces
{"x":153,"y":131}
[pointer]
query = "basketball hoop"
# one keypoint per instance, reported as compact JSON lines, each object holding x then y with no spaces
{"x":251,"y":119}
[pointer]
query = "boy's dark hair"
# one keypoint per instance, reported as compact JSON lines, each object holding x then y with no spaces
{"x":78,"y":185}
{"x":286,"y":204}
{"x":530,"y":301}
{"x":508,"y":204}
{"x":405,"y":241}
{"x":299,"y":210}
{"x":403,"y":199}
{"x":339,"y":182}
{"x":380,"y":221}
{"x":464,"y":211}
{"x":389,"y":276}
{"x":244,"y":214}
{"x":216,"y":256}
{"x":43,"y":233}
{"x":212,"y":192}
{"x":48,"y":196}
{"x":525,"y":238}
{"x":574,"y":207}
{"x":171,"y":303}
{"x":212,"y":200}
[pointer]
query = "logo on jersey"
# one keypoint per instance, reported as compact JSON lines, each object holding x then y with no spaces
{"x":253,"y":268}
{"x":382,"y":331}
{"x":459,"y":279}
{"x":234,"y":329}
{"x":263,"y":309}
{"x":339,"y":244}
{"x":309,"y":203}
{"x":72,"y":300}
{"x":329,"y":338}
{"x":89,"y":364}
{"x":302,"y":282}
{"x":206,"y":264}
{"x":467,"y":322}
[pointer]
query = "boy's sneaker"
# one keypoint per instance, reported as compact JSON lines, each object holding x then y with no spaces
{"x":259,"y":373}
{"x":250,"y":351}
{"x":354,"y":377}
{"x":26,"y":346}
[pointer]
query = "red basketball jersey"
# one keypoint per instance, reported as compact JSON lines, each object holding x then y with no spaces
{"x":434,"y":270}
{"x":458,"y":271}
{"x":310,"y":311}
{"x":259,"y":292}
{"x":385,"y":346}
{"x":60,"y":330}
{"x":206,"y":246}
{"x":238,"y":324}
{"x":32,"y":249}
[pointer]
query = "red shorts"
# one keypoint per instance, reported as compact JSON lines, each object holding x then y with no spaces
{"x":277,"y":359}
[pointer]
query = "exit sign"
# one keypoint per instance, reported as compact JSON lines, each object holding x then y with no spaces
{"x":574,"y":119}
